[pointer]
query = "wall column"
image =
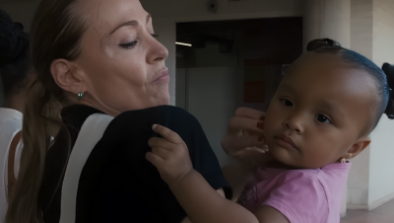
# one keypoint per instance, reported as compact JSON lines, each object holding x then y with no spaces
{"x":327,"y":19}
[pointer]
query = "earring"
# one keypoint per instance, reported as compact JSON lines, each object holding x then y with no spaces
{"x":344,"y":160}
{"x":80,"y":94}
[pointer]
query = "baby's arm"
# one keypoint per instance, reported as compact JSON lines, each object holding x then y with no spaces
{"x":200,"y":201}
{"x":269,"y":214}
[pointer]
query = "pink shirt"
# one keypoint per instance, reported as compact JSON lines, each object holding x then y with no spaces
{"x":302,"y":195}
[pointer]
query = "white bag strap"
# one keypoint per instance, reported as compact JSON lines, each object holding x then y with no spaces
{"x":91,"y":132}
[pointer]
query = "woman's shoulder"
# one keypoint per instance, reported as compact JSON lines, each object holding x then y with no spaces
{"x":165,"y":111}
{"x":172,"y":117}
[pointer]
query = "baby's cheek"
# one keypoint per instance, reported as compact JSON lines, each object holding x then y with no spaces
{"x":317,"y":155}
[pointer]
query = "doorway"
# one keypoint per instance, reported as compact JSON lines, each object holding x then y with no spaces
{"x":222,"y":65}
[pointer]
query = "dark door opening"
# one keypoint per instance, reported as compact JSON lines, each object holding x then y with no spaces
{"x":222,"y":65}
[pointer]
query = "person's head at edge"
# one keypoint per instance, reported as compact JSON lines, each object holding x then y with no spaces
{"x":104,"y":51}
{"x":14,"y":62}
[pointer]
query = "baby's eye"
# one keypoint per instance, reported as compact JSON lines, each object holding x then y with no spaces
{"x":287,"y":102}
{"x":323,"y":119}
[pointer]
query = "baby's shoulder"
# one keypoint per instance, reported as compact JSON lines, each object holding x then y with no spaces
{"x":299,"y":176}
{"x":296,"y":183}
{"x":299,"y":195}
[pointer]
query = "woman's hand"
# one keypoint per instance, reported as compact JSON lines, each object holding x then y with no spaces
{"x":245,"y":137}
{"x":169,"y":155}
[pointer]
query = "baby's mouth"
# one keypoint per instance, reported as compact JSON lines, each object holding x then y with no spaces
{"x":285,"y":141}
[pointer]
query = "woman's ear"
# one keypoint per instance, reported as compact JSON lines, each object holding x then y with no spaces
{"x":66,"y":76}
{"x":357,"y":147}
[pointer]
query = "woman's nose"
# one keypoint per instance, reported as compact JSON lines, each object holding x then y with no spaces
{"x":157,"y":52}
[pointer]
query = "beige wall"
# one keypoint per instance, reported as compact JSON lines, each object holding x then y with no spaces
{"x":321,"y":22}
{"x":361,"y":41}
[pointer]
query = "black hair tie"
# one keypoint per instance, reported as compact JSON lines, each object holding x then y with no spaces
{"x":389,"y":71}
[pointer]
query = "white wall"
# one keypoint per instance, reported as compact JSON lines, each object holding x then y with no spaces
{"x":321,"y":22}
{"x":382,"y":149}
{"x":361,"y":27}
{"x":360,"y":41}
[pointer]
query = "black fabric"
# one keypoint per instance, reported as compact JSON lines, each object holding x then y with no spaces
{"x":119,"y":185}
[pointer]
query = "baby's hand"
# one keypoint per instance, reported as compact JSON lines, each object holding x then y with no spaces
{"x":169,"y":155}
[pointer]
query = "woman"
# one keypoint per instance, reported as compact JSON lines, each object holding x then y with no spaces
{"x":14,"y":64}
{"x":98,"y":56}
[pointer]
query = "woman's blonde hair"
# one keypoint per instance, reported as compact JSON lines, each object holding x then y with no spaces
{"x":55,"y":33}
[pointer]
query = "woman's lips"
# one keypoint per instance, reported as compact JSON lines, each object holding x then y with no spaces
{"x":285,"y":142}
{"x":163,"y":76}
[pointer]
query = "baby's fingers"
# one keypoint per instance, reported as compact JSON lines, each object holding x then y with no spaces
{"x":156,"y":160}
{"x":163,"y":143}
{"x":168,"y":134}
{"x":163,"y":153}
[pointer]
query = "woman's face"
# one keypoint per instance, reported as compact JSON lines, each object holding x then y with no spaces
{"x":122,"y":64}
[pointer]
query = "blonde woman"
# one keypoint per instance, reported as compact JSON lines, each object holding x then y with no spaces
{"x":101,"y":57}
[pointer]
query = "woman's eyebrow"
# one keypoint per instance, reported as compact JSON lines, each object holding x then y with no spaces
{"x":130,"y":23}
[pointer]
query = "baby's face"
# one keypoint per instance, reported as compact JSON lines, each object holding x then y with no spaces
{"x":321,"y":108}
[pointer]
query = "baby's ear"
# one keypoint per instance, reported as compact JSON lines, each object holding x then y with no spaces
{"x":357,"y":147}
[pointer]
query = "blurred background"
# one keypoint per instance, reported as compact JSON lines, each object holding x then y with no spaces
{"x":229,"y":53}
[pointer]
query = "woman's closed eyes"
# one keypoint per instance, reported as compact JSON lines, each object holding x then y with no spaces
{"x":128,"y":45}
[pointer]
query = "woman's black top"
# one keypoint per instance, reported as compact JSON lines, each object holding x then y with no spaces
{"x":117,"y":183}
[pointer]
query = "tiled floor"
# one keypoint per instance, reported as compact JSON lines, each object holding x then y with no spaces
{"x":382,"y":214}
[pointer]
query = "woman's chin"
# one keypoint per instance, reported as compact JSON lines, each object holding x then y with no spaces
{"x":162,"y":99}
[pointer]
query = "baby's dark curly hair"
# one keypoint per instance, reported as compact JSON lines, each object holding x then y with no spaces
{"x":14,"y":54}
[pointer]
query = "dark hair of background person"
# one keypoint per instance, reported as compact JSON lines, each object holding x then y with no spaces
{"x":14,"y":55}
